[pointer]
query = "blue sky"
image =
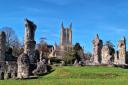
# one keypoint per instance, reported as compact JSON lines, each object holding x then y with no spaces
{"x":108,"y":18}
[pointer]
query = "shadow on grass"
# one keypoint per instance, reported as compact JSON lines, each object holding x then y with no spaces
{"x":46,"y":73}
{"x":121,"y":66}
{"x":50,"y":70}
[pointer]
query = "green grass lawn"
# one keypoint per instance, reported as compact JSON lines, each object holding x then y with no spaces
{"x":88,"y":75}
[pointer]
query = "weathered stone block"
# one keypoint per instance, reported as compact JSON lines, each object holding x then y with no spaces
{"x":23,"y":66}
{"x":41,"y":67}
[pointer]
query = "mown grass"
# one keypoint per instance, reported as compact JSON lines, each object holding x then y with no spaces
{"x":69,"y":75}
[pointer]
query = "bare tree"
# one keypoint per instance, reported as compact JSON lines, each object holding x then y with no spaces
{"x":11,"y":38}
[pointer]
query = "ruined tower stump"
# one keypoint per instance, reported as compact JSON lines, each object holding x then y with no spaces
{"x":27,"y":59}
{"x":122,"y":51}
{"x":97,"y":46}
{"x":29,"y":42}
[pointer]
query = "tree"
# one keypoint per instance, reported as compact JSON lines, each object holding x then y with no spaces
{"x":75,"y":53}
{"x":68,"y":56}
{"x":87,"y":56}
{"x":110,"y":44}
{"x":111,"y":48}
{"x":43,"y":48}
{"x":11,"y":38}
{"x":78,"y":51}
{"x":77,"y":47}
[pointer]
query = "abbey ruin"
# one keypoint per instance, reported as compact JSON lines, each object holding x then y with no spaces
{"x":28,"y":63}
{"x":106,"y":54}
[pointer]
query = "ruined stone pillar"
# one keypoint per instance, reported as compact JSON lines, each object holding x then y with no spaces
{"x":107,"y":54}
{"x":27,"y":59}
{"x":23,"y":66}
{"x":97,"y":46}
{"x":29,"y":42}
{"x":122,"y":51}
{"x":2,"y":53}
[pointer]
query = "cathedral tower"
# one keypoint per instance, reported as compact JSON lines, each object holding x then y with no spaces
{"x":66,"y":37}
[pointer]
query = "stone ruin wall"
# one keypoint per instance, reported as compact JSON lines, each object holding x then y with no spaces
{"x":97,"y":46}
{"x":121,"y":56}
{"x":29,"y":42}
{"x":2,"y":54}
{"x":105,"y":55}
{"x":102,"y":53}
